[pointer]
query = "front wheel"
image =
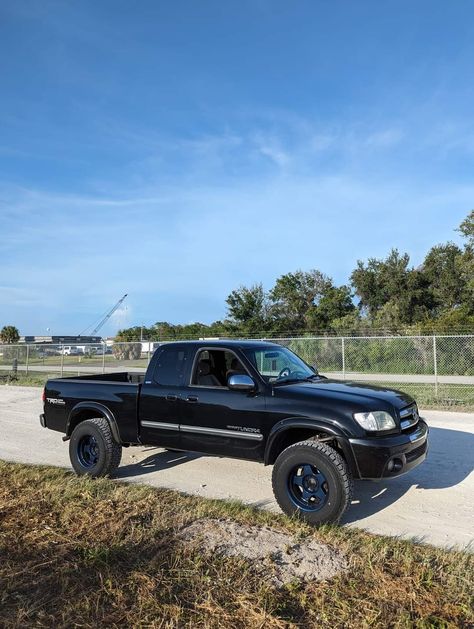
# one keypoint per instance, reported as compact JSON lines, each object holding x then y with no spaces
{"x":311,"y":479}
{"x":92,"y":449}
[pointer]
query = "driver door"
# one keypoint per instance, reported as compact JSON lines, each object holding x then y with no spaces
{"x":218,"y":420}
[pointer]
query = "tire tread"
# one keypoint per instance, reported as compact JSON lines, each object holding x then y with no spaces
{"x":337,"y":461}
{"x":113,"y":450}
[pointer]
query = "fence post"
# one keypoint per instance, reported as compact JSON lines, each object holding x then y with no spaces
{"x":27,"y":357}
{"x":435,"y":364}
{"x":343,"y":348}
{"x":104,"y":348}
{"x":62,"y":361}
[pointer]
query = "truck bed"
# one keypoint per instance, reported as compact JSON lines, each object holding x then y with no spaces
{"x":119,"y":392}
{"x":120,"y":376}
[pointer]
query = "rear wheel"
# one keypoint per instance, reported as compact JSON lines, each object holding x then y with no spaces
{"x":92,"y":449}
{"x":311,"y":479}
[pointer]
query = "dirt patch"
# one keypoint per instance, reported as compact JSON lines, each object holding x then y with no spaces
{"x":276,"y":554}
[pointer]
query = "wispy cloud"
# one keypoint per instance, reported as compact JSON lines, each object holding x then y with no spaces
{"x":385,"y":138}
{"x":123,"y":317}
{"x":12,"y":296}
{"x":79,"y":263}
{"x":271,"y":147}
{"x":176,"y":155}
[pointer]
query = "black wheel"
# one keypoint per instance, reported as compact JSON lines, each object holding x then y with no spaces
{"x":311,"y":479}
{"x":92,"y":449}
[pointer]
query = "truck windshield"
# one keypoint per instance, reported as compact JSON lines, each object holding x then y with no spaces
{"x":279,"y":365}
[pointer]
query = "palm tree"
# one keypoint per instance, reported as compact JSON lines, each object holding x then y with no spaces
{"x":9,"y":334}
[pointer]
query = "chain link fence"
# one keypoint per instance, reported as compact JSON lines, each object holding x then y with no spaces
{"x":436,"y":370}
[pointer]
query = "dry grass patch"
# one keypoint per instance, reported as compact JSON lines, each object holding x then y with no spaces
{"x":100,"y":553}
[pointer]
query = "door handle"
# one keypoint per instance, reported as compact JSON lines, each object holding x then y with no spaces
{"x":192,"y":398}
{"x":171,"y":398}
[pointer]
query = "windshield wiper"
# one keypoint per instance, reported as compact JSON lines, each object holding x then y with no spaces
{"x":289,"y":380}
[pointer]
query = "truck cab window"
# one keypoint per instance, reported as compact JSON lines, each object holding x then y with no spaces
{"x":169,"y":367}
{"x":212,"y":368}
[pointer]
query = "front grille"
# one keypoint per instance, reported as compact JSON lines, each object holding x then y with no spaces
{"x":417,"y":452}
{"x":409,"y":417}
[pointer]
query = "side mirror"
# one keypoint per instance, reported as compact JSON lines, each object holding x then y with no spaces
{"x":241,"y":382}
{"x":315,"y":369}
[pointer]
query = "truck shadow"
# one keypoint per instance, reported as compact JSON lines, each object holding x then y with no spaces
{"x":156,"y":462}
{"x":450,"y":460}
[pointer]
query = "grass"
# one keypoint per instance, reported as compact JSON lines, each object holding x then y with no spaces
{"x":79,"y":552}
{"x":453,"y":397}
{"x":27,"y":380}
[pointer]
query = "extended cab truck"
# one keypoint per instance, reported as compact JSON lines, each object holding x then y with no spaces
{"x":250,"y":400}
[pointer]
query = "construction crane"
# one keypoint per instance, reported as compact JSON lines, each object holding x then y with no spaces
{"x":104,"y":320}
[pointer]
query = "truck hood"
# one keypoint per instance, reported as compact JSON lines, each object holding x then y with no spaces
{"x":360,"y":394}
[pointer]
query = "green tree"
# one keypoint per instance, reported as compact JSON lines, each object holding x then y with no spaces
{"x":466,"y":262}
{"x":415,"y":302}
{"x":389,"y":318}
{"x":455,"y":321}
{"x":335,"y":303}
{"x":295,"y":296}
{"x":162,"y":330}
{"x":390,"y":284}
{"x":467,"y":270}
{"x":130,"y":334}
{"x":442,"y":268}
{"x":248,"y":308}
{"x":378,"y":281}
{"x":9,"y":334}
{"x":349,"y":325}
{"x":367,"y":286}
{"x":467,"y":228}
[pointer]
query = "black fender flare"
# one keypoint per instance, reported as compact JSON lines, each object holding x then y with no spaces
{"x":102,"y":411}
{"x":315,"y":425}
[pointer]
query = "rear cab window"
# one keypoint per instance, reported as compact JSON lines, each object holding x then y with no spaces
{"x":170,"y":366}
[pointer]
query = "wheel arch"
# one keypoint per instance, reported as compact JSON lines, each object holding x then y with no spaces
{"x":90,"y":410}
{"x":292,"y":430}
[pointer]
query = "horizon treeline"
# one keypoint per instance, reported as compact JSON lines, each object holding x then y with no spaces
{"x":383,"y":296}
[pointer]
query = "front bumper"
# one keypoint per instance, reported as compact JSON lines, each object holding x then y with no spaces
{"x":387,"y":457}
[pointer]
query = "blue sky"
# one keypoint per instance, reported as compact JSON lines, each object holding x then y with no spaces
{"x":175,"y":150}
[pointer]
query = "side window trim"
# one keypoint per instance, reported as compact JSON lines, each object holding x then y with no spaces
{"x":212,"y":349}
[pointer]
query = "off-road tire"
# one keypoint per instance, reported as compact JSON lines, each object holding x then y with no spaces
{"x":108,"y":451}
{"x":330,"y":463}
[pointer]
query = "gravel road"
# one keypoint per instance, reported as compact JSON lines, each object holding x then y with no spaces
{"x":434,"y":503}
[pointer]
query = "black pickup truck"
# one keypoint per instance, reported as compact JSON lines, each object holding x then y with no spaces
{"x":249,"y":400}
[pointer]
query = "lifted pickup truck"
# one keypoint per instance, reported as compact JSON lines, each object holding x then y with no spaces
{"x":249,"y":400}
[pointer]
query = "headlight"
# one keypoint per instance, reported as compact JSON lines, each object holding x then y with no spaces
{"x":375,"y":420}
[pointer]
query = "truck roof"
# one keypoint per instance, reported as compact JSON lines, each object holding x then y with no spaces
{"x":223,"y":343}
